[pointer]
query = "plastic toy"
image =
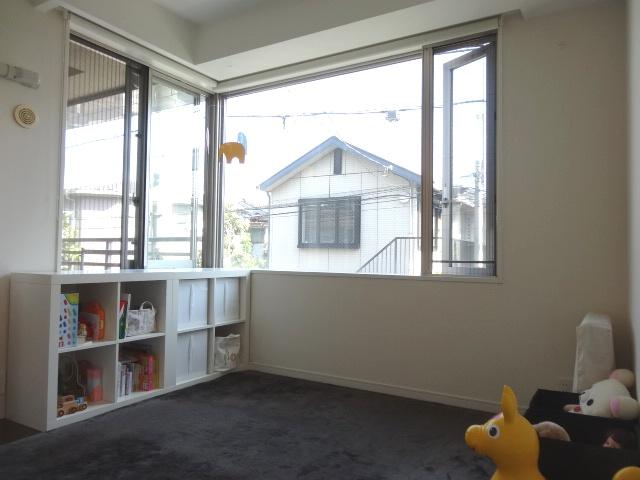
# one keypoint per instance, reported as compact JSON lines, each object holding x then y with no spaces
{"x":512,"y":443}
{"x":509,"y":440}
{"x":629,"y":473}
{"x":94,"y":315}
{"x":69,"y":404}
{"x":609,"y":398}
{"x":232,"y":150}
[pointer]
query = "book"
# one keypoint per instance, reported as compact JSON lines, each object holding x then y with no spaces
{"x":68,"y":319}
{"x":125,"y":302}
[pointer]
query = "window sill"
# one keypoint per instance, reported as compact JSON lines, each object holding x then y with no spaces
{"x":428,"y":278}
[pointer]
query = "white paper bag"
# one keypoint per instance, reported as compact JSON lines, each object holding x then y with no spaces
{"x":227,"y":352}
{"x":141,"y":321}
{"x":595,"y":358}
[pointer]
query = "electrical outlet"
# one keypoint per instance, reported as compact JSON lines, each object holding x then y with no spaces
{"x":565,"y":384}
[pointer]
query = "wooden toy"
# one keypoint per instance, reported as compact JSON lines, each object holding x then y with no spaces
{"x":69,"y":404}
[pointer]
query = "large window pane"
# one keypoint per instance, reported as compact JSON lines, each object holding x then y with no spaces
{"x":464,"y":159}
{"x":332,"y":174}
{"x":103,"y":107}
{"x":176,"y":176}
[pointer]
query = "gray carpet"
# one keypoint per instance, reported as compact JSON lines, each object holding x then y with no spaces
{"x":255,"y":426}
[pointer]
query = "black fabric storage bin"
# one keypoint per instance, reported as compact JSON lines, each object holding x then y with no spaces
{"x":581,"y":428}
{"x":547,"y":405}
{"x":567,"y":460}
{"x":552,"y":399}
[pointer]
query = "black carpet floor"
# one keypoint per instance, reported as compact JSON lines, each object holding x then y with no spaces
{"x":254,"y":426}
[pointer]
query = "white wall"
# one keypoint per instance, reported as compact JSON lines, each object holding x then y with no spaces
{"x":563,"y":194}
{"x":634,"y":173}
{"x":29,"y":159}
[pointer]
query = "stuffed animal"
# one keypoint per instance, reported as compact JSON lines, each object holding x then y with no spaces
{"x":509,"y":440}
{"x":609,"y":398}
{"x":551,"y":430}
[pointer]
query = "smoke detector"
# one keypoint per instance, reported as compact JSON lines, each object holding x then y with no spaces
{"x":25,"y":116}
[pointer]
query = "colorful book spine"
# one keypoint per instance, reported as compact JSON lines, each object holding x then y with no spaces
{"x":125,"y":301}
{"x":68,"y":319}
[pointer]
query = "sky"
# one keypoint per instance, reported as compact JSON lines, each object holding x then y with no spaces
{"x":283,"y":124}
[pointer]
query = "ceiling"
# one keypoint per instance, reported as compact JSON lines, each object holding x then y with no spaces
{"x":206,"y":11}
{"x":227,"y":39}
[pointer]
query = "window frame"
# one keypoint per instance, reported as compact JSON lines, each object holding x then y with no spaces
{"x":426,"y":192}
{"x":132,"y":67}
{"x":486,"y":269}
{"x":339,"y":203}
{"x":140,"y":197}
{"x":206,"y":165}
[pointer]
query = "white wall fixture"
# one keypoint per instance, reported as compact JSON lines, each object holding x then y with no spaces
{"x":21,"y":75}
{"x":25,"y":116}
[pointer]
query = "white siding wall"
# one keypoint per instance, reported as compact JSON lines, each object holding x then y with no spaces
{"x":382,"y":218}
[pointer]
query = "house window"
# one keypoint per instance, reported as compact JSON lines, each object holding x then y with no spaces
{"x":337,"y":162}
{"x":329,"y":222}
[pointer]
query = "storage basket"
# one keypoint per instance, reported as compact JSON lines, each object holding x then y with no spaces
{"x":141,"y":321}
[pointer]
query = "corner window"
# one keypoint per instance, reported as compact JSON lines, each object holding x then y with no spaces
{"x":133,"y":179}
{"x":329,"y":222}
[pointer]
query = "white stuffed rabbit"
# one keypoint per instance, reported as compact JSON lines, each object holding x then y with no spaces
{"x":609,"y":398}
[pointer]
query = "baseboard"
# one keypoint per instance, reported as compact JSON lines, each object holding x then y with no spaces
{"x":408,"y":392}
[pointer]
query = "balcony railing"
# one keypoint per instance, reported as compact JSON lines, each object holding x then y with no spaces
{"x":79,"y":253}
{"x":401,"y":256}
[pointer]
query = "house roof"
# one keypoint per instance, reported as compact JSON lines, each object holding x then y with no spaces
{"x":330,"y":144}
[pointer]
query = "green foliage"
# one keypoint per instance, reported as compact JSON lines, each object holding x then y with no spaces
{"x":70,"y":247}
{"x":237,"y":242}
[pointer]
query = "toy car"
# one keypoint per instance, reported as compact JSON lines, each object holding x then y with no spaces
{"x":69,"y":404}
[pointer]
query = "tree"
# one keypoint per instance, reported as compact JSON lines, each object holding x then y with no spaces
{"x":71,"y":250}
{"x":237,"y":241}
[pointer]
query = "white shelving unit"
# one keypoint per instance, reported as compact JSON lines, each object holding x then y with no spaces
{"x":192,"y":307}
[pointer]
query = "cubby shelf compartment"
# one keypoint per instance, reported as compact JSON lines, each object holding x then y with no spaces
{"x":137,"y":338}
{"x":86,"y":346}
{"x":32,"y":376}
{"x":230,"y":322}
{"x":196,"y":380}
{"x":137,"y":396}
{"x":92,"y":410}
{"x":195,"y":329}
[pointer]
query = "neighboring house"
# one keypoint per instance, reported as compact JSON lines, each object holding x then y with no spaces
{"x":338,"y":207}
